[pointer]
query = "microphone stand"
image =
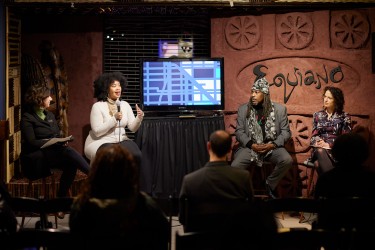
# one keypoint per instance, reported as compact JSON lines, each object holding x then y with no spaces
{"x":118,"y":103}
{"x":119,"y":132}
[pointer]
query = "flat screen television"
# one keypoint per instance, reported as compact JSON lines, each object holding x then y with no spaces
{"x":182,"y":84}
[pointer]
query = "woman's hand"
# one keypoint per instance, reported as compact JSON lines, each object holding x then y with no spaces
{"x":322,"y":144}
{"x":118,"y":116}
{"x":139,"y":111}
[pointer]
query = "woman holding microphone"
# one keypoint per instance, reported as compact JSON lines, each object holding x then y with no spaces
{"x":110,"y":116}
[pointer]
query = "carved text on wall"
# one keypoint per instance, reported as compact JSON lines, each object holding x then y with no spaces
{"x":299,"y":72}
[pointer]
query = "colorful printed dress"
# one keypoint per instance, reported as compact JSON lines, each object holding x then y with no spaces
{"x":328,"y":129}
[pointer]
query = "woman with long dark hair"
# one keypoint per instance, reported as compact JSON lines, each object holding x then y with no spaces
{"x":111,"y":211}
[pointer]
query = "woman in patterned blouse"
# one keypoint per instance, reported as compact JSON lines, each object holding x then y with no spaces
{"x":328,"y":124}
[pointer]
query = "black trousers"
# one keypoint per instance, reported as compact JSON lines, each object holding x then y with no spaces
{"x":39,"y":163}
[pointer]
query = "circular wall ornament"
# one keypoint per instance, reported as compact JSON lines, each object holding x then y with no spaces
{"x":295,"y":30}
{"x":349,"y":29}
{"x":242,"y":32}
{"x":301,"y":128}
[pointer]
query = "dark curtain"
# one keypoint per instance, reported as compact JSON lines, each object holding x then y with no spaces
{"x":171,"y":148}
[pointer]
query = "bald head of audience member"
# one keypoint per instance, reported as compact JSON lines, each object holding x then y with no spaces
{"x":219,"y":145}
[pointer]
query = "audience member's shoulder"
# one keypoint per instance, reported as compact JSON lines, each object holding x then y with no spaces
{"x":196,"y":172}
{"x":240,"y":171}
{"x":102,"y":204}
{"x":150,"y":210}
{"x":369,"y":175}
{"x":146,"y":197}
{"x":147,"y":201}
{"x":256,"y":220}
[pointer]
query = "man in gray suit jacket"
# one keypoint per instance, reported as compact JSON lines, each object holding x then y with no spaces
{"x":262,"y":130}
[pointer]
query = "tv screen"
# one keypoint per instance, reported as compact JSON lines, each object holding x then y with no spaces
{"x":182,"y":84}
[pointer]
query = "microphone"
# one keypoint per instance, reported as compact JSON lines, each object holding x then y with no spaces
{"x":118,"y":103}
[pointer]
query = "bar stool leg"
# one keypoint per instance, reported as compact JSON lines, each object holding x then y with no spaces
{"x":43,"y":195}
{"x":309,"y":187}
{"x":53,"y":188}
{"x":28,"y":191}
{"x":311,"y":179}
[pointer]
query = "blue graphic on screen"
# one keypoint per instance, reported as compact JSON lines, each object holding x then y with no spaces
{"x":181,"y":83}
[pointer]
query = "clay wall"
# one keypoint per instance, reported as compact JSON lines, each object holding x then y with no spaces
{"x":299,"y":53}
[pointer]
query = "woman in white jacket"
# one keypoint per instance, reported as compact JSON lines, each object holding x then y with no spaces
{"x":110,"y":116}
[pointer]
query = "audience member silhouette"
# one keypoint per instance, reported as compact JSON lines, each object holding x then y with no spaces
{"x":252,"y":228}
{"x":217,"y":182}
{"x":110,"y":206}
{"x":347,"y":179}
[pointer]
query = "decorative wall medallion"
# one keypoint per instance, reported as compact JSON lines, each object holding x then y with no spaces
{"x":301,"y":127}
{"x":295,"y":30}
{"x":242,"y":32}
{"x":349,"y":29}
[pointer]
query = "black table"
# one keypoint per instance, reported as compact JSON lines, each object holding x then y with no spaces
{"x":172,"y":147}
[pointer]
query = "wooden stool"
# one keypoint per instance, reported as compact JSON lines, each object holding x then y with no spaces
{"x":310,"y":182}
{"x":258,"y":177}
{"x":310,"y":185}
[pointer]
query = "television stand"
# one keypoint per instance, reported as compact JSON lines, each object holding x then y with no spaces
{"x":171,"y":148}
{"x":184,"y":114}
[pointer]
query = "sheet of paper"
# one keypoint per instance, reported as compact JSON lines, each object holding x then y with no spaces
{"x":55,"y":140}
{"x":320,"y":147}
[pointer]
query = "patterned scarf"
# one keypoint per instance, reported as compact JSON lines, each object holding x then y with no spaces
{"x":256,"y":133}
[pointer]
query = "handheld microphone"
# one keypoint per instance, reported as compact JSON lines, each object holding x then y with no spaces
{"x":118,"y":103}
